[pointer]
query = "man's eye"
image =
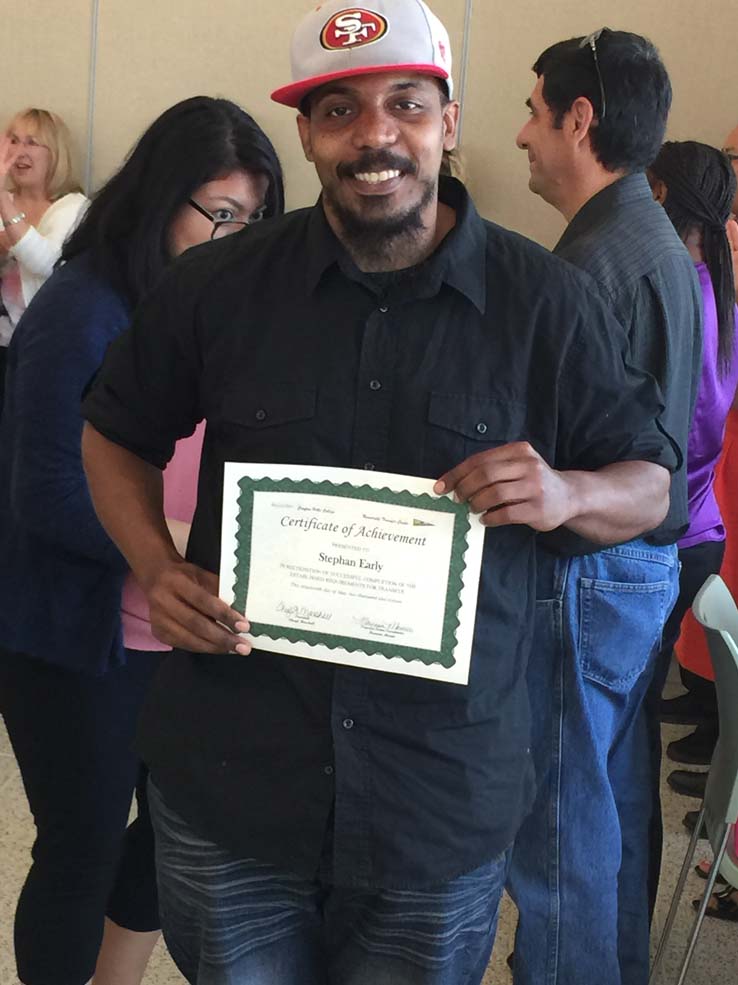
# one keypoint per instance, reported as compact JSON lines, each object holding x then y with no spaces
{"x":14,"y":140}
{"x":408,"y":104}
{"x":338,"y":112}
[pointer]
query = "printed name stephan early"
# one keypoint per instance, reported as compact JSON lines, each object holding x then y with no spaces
{"x":338,"y":560}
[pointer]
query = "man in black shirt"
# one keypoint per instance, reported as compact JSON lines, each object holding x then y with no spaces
{"x":597,"y":119}
{"x":318,"y":823}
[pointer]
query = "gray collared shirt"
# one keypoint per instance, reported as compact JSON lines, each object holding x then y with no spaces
{"x":627,"y":244}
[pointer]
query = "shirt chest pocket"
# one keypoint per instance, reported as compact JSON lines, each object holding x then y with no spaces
{"x":460,"y":425}
{"x":269,"y":423}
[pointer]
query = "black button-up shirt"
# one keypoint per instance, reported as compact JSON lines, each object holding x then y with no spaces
{"x":293,"y":355}
{"x":628,"y":245}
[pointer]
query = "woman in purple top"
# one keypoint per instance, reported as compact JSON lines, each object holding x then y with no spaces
{"x":696,"y":186}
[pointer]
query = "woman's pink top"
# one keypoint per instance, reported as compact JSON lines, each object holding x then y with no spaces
{"x":180,"y":498}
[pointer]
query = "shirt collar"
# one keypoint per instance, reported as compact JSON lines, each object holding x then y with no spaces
{"x":631,"y":189}
{"x":459,"y":260}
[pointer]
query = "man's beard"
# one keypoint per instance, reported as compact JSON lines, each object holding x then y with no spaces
{"x":377,"y":241}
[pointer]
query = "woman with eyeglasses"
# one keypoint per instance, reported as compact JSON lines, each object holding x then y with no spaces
{"x":76,"y":650}
{"x":40,"y":200}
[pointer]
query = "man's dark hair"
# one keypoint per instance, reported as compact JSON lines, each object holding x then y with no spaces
{"x":637,"y":94}
{"x":700,"y":188}
{"x":126,"y":227}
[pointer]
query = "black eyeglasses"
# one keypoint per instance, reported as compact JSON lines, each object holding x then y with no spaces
{"x":591,"y":42}
{"x":225,"y":227}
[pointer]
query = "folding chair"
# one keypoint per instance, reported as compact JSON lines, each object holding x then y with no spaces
{"x":715,"y":609}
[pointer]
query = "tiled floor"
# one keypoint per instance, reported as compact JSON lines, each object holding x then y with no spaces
{"x":716,"y":959}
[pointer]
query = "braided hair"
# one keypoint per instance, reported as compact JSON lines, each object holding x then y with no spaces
{"x":700,"y":188}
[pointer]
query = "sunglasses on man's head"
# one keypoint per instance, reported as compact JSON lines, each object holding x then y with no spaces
{"x":591,"y":42}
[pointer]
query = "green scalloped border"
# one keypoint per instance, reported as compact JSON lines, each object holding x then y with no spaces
{"x":423,"y":501}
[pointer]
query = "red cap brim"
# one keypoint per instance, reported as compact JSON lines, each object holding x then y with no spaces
{"x":293,"y":94}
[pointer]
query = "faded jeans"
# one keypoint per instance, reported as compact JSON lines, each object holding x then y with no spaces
{"x":580,"y":861}
{"x":233,"y":921}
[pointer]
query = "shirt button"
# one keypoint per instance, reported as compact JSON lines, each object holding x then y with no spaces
{"x":328,"y":770}
{"x":369,"y":466}
{"x":260,"y":415}
{"x":384,"y":309}
{"x":348,"y":723}
{"x":375,"y":385}
{"x":482,"y":428}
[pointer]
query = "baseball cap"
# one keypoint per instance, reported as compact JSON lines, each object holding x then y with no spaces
{"x":336,"y":41}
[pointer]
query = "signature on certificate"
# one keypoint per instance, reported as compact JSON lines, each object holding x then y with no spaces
{"x":371,"y":624}
{"x":302,"y":612}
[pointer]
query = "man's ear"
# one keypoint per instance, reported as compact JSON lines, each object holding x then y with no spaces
{"x":659,"y":190}
{"x":450,"y":124}
{"x":578,"y":121}
{"x":303,"y":128}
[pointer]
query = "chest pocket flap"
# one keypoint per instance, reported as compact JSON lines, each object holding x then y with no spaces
{"x":490,"y":420}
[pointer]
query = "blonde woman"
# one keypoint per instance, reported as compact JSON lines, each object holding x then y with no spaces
{"x":40,"y":200}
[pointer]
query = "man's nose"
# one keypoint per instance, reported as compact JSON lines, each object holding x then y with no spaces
{"x":520,"y":140}
{"x":375,"y":128}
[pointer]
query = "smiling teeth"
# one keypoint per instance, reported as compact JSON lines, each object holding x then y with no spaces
{"x":374,"y":177}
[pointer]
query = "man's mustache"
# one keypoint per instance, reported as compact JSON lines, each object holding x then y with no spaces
{"x":380,"y":161}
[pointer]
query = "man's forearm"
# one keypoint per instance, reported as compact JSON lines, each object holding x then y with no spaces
{"x":183,"y":599}
{"x":128,"y":498}
{"x":618,"y":502}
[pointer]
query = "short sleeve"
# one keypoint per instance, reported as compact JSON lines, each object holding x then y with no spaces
{"x":145,"y":397}
{"x":609,"y":411}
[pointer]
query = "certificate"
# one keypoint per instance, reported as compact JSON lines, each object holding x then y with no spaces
{"x":366,"y":569}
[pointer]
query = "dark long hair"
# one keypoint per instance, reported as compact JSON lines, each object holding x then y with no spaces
{"x":700,"y":188}
{"x":198,"y":140}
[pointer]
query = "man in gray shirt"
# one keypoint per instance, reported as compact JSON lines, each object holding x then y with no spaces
{"x":579,"y":872}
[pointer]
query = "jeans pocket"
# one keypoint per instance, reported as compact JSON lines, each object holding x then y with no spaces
{"x":620,"y":625}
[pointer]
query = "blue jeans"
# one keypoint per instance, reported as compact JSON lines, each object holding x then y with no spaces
{"x":580,"y":861}
{"x":232,"y":921}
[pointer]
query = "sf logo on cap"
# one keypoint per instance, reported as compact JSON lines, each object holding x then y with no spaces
{"x":351,"y":28}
